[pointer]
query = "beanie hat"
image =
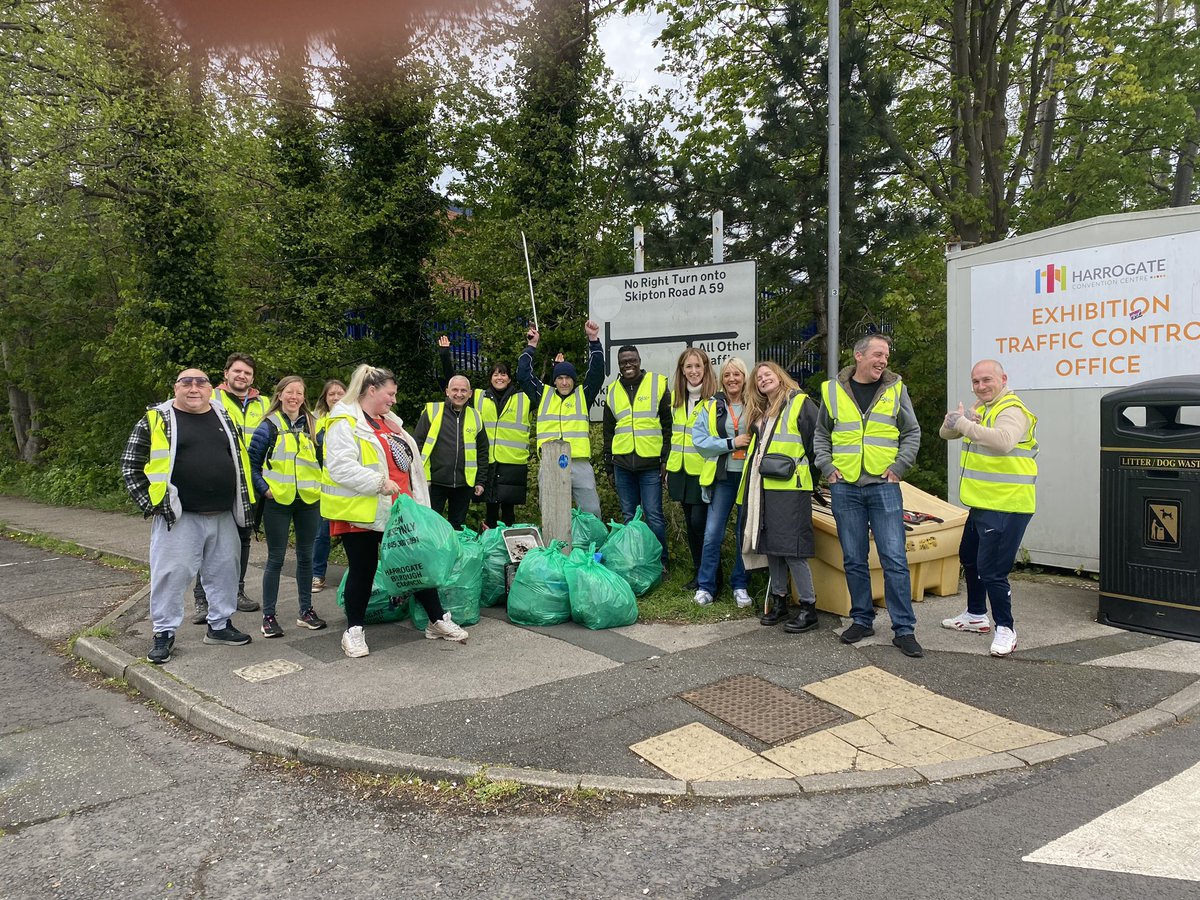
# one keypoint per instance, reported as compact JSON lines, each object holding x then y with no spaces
{"x":565,"y":368}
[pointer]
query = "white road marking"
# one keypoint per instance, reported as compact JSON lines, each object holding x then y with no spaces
{"x":29,"y":562}
{"x":1157,"y":833}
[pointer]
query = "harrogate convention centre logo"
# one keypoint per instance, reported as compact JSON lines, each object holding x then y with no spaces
{"x":1050,"y":279}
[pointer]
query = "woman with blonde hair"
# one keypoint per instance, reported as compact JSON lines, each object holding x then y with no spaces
{"x":776,"y":490}
{"x":331,"y":393}
{"x":369,"y":461}
{"x":720,"y":435}
{"x":287,"y":476}
{"x":693,"y":386}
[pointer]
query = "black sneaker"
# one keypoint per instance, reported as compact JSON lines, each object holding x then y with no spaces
{"x":164,"y":643}
{"x":245,"y":604}
{"x":856,"y":633}
{"x":691,"y":585}
{"x":227,"y":635}
{"x":270,"y":627}
{"x":908,"y":645}
{"x":200,"y":612}
{"x":311,"y":620}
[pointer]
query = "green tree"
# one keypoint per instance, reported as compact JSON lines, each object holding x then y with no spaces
{"x":395,"y":219}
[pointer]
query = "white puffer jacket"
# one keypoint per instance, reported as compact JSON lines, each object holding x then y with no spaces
{"x":347,"y":469}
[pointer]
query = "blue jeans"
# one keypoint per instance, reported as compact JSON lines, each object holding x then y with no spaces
{"x":881,"y":507}
{"x":277,"y":521}
{"x":988,"y":550}
{"x":724,"y":493}
{"x":321,"y":550}
{"x":643,"y":488}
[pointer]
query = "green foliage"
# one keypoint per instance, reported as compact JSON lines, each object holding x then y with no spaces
{"x":96,"y":487}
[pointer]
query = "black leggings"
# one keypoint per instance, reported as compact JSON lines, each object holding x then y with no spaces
{"x":500,"y":512}
{"x":695,"y":516}
{"x":362,"y":553}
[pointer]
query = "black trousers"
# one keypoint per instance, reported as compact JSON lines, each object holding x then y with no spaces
{"x":457,"y":498}
{"x":695,"y":516}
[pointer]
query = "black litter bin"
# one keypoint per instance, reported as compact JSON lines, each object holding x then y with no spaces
{"x":1150,"y":507}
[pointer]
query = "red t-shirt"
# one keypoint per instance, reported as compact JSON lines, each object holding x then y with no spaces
{"x":395,"y":473}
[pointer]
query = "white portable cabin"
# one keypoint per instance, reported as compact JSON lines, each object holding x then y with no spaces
{"x":1072,"y":313}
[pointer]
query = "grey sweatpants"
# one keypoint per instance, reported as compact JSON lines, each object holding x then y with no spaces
{"x":195,"y":544}
{"x":583,"y":487}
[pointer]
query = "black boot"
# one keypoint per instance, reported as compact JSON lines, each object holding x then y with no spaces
{"x":777,"y":609}
{"x":804,"y":620}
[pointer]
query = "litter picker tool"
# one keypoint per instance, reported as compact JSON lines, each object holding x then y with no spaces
{"x":529,"y":273}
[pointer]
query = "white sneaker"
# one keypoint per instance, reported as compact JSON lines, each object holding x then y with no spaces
{"x":1005,"y":641}
{"x":742,"y":597}
{"x":354,"y":642}
{"x":703,"y":597}
{"x":965,"y":621}
{"x":445,"y":629}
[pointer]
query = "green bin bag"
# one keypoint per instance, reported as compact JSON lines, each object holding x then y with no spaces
{"x":599,"y":598}
{"x":495,"y":558}
{"x":419,"y":548}
{"x":539,"y":594}
{"x":460,"y":597}
{"x":384,"y":606}
{"x":586,"y":529}
{"x":634,"y":553}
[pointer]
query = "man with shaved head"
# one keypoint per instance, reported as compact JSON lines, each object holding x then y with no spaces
{"x":997,"y":479}
{"x":183,"y":468}
{"x":454,"y":446}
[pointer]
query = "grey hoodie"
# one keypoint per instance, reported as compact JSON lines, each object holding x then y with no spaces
{"x":906,"y":421}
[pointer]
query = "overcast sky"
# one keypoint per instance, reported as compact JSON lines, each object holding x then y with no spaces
{"x":628,"y":44}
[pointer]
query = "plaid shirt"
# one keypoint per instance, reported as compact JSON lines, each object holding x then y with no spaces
{"x":137,"y":454}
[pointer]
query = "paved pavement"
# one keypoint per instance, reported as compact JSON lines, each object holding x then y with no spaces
{"x":566,"y":707}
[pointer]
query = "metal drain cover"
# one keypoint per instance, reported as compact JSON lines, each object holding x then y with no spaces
{"x":761,"y":709}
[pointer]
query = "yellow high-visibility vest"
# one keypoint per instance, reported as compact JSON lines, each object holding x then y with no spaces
{"x":472,"y":425}
{"x":638,"y":429}
{"x":784,"y":439}
{"x":565,"y":419}
{"x":158,"y":466}
{"x":342,"y":504}
{"x":508,"y":428}
{"x":245,"y":422}
{"x":1005,"y":482}
{"x":291,"y":470}
{"x":683,"y":455}
{"x":855,"y":447}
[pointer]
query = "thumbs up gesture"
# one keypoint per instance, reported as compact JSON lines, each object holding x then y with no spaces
{"x":953,"y":416}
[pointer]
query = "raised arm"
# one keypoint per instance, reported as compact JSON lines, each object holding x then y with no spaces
{"x":526,"y":380}
{"x":594,"y":379}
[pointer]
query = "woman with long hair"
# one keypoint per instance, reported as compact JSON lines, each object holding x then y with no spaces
{"x":507,"y":415}
{"x":331,"y":393}
{"x":369,"y":461}
{"x":693,"y":385}
{"x":287,"y":476}
{"x":720,"y":435}
{"x":776,"y":491}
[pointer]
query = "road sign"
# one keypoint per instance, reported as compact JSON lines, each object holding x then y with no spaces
{"x":713,"y":308}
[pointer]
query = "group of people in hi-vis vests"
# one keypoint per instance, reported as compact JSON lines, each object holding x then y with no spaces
{"x":203,"y":463}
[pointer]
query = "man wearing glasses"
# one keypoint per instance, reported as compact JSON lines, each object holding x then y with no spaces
{"x":182,"y":467}
{"x":246,"y":408}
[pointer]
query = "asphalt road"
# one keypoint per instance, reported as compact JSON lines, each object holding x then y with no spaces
{"x":102,"y":796}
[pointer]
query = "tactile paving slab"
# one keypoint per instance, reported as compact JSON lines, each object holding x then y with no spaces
{"x":761,"y":709}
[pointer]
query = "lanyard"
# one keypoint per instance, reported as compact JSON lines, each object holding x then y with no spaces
{"x":741,"y":452}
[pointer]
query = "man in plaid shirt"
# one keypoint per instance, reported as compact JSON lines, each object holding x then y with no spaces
{"x":182,"y":467}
